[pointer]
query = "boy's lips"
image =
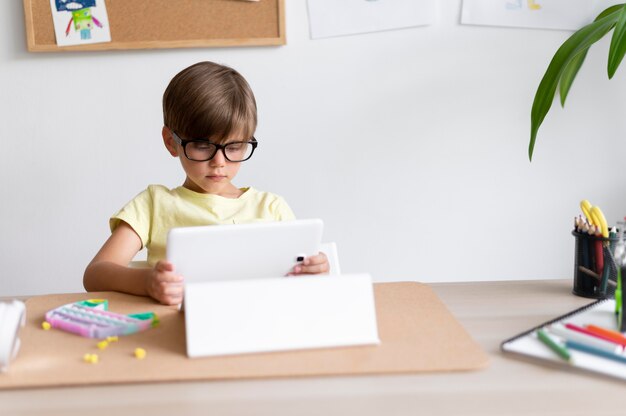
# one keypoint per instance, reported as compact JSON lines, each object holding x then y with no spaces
{"x":216,"y":177}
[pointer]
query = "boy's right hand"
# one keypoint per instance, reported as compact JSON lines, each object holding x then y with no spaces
{"x":164,"y":285}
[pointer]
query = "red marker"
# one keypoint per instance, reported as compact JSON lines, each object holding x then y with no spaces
{"x":595,"y":334}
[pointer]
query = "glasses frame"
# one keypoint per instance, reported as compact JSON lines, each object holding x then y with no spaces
{"x":253,"y":141}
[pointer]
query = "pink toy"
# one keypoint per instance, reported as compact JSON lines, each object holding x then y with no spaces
{"x":90,"y":318}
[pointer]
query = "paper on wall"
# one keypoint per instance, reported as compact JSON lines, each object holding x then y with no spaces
{"x":78,"y":22}
{"x":329,"y":18}
{"x":538,"y":14}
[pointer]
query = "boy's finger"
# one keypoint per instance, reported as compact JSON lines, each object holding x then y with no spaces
{"x":316,"y":259}
{"x":173,"y":290}
{"x":317,"y":269}
{"x":310,"y":261}
{"x":170,"y":278}
{"x":164,"y":266}
{"x":171,"y":300}
{"x":314,"y":269}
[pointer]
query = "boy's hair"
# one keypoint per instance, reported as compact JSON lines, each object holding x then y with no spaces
{"x":208,"y":100}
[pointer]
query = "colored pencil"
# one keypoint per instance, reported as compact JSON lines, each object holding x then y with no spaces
{"x":591,"y":333}
{"x":611,"y":335}
{"x":554,"y":345}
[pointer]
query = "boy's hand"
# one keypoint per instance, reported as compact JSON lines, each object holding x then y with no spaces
{"x":164,"y":285}
{"x":317,"y":264}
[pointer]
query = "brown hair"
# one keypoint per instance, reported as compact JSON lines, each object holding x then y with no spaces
{"x":208,"y":100}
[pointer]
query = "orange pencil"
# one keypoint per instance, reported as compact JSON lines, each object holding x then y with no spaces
{"x":614,"y":336}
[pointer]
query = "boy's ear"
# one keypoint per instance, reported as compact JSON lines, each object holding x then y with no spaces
{"x":168,"y":140}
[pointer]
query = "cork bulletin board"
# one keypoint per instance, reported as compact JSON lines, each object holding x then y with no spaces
{"x":147,"y":24}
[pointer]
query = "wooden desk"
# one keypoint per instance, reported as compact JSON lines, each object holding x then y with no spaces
{"x":490,"y":311}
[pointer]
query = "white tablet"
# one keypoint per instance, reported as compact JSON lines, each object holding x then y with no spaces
{"x":242,"y":251}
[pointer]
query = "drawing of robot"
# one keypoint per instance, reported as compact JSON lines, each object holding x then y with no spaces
{"x":83,"y":20}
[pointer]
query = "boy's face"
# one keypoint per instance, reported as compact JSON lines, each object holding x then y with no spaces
{"x":211,"y":177}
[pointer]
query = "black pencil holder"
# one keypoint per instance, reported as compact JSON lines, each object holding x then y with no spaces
{"x":595,"y":272}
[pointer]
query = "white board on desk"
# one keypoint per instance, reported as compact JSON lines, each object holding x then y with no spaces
{"x":278,"y":314}
{"x":600,"y":313}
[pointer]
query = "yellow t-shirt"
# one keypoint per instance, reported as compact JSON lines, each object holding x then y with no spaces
{"x":157,"y":209}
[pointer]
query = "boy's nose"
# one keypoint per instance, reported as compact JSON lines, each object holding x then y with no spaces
{"x":218,"y":159}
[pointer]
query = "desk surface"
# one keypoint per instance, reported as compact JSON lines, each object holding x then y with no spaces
{"x":490,"y":311}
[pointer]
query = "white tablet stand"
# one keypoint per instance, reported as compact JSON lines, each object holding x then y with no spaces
{"x":278,"y":314}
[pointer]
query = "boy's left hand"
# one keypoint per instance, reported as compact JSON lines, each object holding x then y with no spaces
{"x":317,"y":264}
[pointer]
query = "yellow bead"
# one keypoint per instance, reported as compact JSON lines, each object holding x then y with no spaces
{"x":90,"y":358}
{"x":102,"y":344}
{"x":140,"y":353}
{"x":46,"y":325}
{"x":112,"y":339}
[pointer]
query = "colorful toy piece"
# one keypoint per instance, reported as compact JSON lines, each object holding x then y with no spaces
{"x":91,"y":319}
{"x":140,"y":353}
{"x":91,"y":358}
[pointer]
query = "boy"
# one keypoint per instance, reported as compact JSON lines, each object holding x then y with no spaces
{"x":210,"y":117}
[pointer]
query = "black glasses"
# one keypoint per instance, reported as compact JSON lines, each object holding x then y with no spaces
{"x":201,"y":150}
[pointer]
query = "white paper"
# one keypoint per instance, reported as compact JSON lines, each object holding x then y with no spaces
{"x":70,"y":29}
{"x":602,"y":315}
{"x":277,"y":314}
{"x":329,"y":18}
{"x":544,"y":14}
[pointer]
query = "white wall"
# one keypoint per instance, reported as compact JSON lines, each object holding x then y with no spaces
{"x":410,"y":144}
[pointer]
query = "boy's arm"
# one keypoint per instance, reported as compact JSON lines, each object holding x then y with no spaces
{"x":109,"y":268}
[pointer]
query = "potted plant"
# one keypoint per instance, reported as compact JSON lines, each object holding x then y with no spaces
{"x":569,"y":58}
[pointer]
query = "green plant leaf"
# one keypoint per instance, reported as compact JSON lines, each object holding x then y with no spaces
{"x":571,"y":70}
{"x":618,"y":44}
{"x":579,"y":42}
{"x":569,"y":74}
{"x":609,"y":11}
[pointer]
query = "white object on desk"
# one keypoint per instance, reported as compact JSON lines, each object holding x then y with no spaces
{"x":242,"y":251}
{"x":277,"y":314}
{"x":330,"y":249}
{"x":12,"y":317}
{"x":600,"y":313}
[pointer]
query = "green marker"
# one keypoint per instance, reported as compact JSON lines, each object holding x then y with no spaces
{"x":618,"y":296}
{"x":553,"y":345}
{"x":618,"y":291}
{"x":619,"y":257}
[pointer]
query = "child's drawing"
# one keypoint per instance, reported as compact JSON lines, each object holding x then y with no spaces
{"x":518,"y":4}
{"x":532,"y":5}
{"x":537,"y":14}
{"x":329,"y":18}
{"x":81,"y":16}
{"x":80,"y":21}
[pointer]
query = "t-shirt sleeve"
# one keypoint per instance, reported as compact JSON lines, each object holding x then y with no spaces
{"x":282,"y":211}
{"x":138,"y":214}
